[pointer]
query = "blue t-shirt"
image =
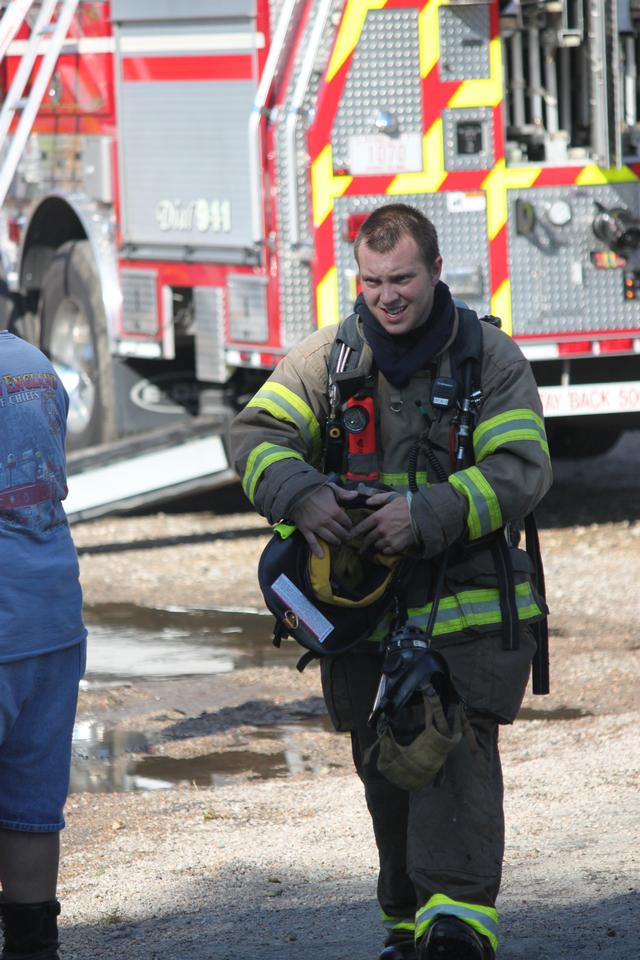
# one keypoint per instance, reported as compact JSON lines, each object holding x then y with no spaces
{"x":40,"y":595}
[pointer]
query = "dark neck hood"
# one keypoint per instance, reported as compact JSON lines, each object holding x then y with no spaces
{"x":400,"y":356}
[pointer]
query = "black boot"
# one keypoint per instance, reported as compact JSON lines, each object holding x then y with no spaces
{"x":400,"y":950}
{"x":30,"y":930}
{"x":451,"y":939}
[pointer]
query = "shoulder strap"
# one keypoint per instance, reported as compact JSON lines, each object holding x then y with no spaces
{"x":466,"y":352}
{"x":347,"y":373}
{"x":346,"y":336}
{"x":345,"y":380}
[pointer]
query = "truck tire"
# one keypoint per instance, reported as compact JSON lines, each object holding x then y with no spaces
{"x":74,"y":337}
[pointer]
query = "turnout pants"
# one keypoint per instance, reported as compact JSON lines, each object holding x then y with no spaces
{"x":441,"y":847}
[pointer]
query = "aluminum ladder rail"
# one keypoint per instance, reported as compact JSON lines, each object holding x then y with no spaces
{"x":12,"y":20}
{"x":28,"y":108}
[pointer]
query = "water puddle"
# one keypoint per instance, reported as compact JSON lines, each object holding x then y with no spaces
{"x":117,"y":761}
{"x":128,"y":642}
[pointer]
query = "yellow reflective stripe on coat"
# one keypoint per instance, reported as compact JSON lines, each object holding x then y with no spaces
{"x":510,"y":427}
{"x":485,"y":514}
{"x":400,"y":481}
{"x":284,"y":404}
{"x":397,"y":923}
{"x":483,"y":919}
{"x":260,"y":458}
{"x":463,"y":611}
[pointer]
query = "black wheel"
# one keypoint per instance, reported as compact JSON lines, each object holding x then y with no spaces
{"x":74,"y":337}
{"x":578,"y":441}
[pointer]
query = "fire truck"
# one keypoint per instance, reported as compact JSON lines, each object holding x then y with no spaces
{"x":182,"y":182}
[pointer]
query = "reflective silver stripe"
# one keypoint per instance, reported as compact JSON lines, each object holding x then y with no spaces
{"x":510,"y":427}
{"x":468,"y":609}
{"x":483,"y":919}
{"x":260,"y":458}
{"x":285,"y":405}
{"x":485,"y":515}
{"x":397,"y":923}
{"x":464,"y":913}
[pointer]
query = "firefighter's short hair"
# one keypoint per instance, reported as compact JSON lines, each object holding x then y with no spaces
{"x":382,"y":230}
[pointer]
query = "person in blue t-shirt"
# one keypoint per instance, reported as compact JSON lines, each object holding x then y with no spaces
{"x":42,"y":647}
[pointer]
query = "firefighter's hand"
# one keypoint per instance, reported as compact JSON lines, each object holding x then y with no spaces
{"x":388,"y":529}
{"x":320,"y":515}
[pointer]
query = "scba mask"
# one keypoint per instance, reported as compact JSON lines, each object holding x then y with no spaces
{"x":417,"y":712}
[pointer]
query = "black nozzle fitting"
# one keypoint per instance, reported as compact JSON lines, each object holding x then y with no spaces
{"x":618,"y":228}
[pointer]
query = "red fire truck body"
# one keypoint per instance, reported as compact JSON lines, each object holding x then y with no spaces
{"x":181,"y":199}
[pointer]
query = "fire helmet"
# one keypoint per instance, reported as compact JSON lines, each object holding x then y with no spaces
{"x":328,"y":605}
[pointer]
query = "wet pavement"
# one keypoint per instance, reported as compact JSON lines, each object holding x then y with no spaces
{"x":114,"y":761}
{"x":129,"y":645}
{"x":128,"y":642}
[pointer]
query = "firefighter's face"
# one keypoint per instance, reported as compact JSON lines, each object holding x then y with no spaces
{"x":397,"y":286}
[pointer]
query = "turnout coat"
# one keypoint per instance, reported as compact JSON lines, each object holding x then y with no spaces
{"x":277,"y":447}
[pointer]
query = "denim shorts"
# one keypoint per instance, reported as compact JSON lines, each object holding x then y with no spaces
{"x":38,"y":699}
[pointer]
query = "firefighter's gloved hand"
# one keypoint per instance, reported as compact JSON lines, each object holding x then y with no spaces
{"x":388,"y":529}
{"x":320,"y":515}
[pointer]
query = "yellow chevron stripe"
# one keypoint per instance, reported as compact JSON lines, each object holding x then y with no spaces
{"x":429,"y":33}
{"x":327,"y":303}
{"x":501,"y":305}
{"x":353,"y":20}
{"x":591,"y":175}
{"x":432,"y":163}
{"x":496,"y":183}
{"x":483,"y":93}
{"x":324,"y":186}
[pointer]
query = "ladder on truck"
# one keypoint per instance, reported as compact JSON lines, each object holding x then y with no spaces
{"x":47,"y":35}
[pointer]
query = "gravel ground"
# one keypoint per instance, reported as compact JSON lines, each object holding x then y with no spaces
{"x":285,"y":868}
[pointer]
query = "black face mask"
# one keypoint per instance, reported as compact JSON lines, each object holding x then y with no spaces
{"x":399,"y":356}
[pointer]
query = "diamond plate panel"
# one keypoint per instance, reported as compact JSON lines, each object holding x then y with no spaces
{"x":384,"y":75}
{"x":139,"y":301}
{"x":459,"y":130}
{"x":462,"y":234}
{"x":208,"y":309}
{"x":554,"y":286}
{"x":464,"y":42}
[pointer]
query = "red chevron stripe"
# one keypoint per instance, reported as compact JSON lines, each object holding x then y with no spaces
{"x":364,"y":185}
{"x":464,"y":180}
{"x":557,"y":176}
{"x":498,"y":131}
{"x":435,"y":96}
{"x":324,"y":251}
{"x":498,"y":259}
{"x":328,"y":99}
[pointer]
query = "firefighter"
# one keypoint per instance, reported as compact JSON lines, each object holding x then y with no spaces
{"x":441,"y":844}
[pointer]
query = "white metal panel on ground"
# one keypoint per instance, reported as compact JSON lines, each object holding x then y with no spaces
{"x":147,"y":477}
